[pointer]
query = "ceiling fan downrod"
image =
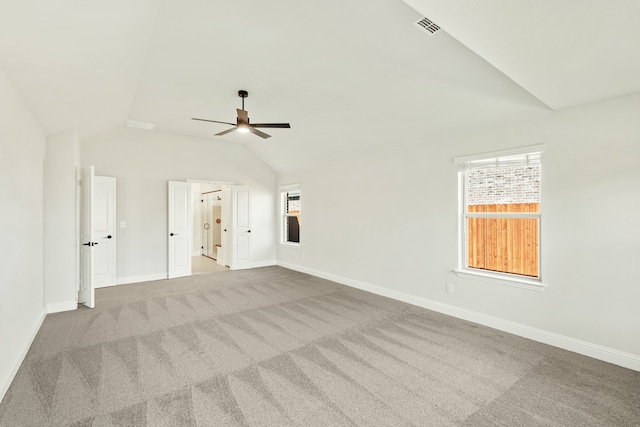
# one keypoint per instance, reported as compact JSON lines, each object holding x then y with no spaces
{"x":243,"y":94}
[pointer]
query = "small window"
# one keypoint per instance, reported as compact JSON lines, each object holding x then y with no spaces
{"x":500,"y":215}
{"x":290,"y":199}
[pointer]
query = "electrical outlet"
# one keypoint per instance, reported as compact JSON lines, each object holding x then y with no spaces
{"x":449,"y":288}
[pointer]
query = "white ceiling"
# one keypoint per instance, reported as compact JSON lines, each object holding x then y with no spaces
{"x":565,"y":52}
{"x":350,"y":77}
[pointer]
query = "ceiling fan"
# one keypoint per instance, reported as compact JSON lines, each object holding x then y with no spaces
{"x":242,"y":124}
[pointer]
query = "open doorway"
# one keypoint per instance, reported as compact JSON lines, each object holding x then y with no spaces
{"x":184,"y":242}
{"x":208,"y":250}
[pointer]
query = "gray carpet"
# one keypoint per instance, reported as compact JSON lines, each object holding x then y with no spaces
{"x":275,"y":347}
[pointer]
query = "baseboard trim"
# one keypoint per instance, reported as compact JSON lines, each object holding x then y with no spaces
{"x":161,"y":276}
{"x":259,"y":264}
{"x":5,"y":382}
{"x":606,"y":354}
{"x":62,"y":306}
{"x":137,"y":279}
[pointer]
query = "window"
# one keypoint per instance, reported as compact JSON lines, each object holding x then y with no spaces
{"x":500,"y":215}
{"x":290,"y":199}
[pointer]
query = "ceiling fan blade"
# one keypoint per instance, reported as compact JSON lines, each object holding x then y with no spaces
{"x":213,"y":121}
{"x":259,"y":133}
{"x":271,"y":125}
{"x":224,"y":132}
{"x":243,"y":116}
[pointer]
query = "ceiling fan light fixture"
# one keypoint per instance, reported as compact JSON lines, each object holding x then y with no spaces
{"x":242,"y":124}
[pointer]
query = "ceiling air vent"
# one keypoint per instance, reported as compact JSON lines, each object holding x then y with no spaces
{"x":426,"y":25}
{"x":139,"y":125}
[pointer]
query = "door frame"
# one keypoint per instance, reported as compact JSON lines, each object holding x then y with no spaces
{"x":208,"y":225}
{"x":86,"y":294}
{"x":225,"y":200}
{"x":192,"y":212}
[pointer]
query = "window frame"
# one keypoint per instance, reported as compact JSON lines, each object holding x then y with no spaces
{"x":284,"y":215}
{"x":502,"y":278}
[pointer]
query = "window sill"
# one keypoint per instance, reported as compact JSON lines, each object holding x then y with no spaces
{"x":502,"y":279}
{"x":295,"y":245}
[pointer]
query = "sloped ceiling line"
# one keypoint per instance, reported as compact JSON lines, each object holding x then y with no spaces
{"x":361,"y":79}
{"x":566,"y":53}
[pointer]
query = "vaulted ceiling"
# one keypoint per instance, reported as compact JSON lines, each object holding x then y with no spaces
{"x":350,"y":76}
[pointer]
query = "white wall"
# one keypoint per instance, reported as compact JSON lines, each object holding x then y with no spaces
{"x":405,"y":243}
{"x":60,"y":222}
{"x":22,"y":145}
{"x":144,"y":161}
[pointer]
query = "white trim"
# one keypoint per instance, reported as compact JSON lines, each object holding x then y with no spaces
{"x":502,"y":279}
{"x":6,"y":381}
{"x":258,"y":264}
{"x":62,"y":306}
{"x":137,"y":279}
{"x":606,"y":354}
{"x":539,"y":148}
{"x":287,"y":187}
{"x":463,"y":269}
{"x":282,"y":190}
{"x":294,"y":244}
{"x":521,"y":215}
{"x":209,"y":181}
{"x":163,"y":276}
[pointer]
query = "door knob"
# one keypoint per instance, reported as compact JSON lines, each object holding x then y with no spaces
{"x":225,"y":229}
{"x":173,"y":234}
{"x":248,"y":231}
{"x":108,"y":237}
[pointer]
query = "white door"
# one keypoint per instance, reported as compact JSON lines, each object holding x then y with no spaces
{"x":86,"y":294}
{"x":240,"y":227}
{"x":179,"y":213}
{"x":226,"y":226}
{"x":104,"y":231}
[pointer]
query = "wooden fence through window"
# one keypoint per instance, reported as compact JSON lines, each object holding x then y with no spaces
{"x":508,"y":245}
